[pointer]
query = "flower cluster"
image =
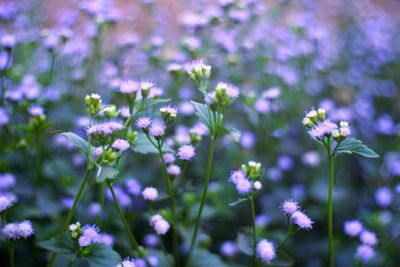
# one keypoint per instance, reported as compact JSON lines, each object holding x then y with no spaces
{"x":127,"y":262}
{"x":198,"y":71}
{"x":160,"y":225}
{"x":17,"y":230}
{"x":150,"y":194}
{"x":223,"y":95}
{"x":292,"y":210}
{"x":6,"y":201}
{"x":247,"y":179}
{"x":365,"y":251}
{"x":321,"y":128}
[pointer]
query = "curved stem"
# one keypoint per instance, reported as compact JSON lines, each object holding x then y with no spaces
{"x":203,"y":199}
{"x":330,"y":211}
{"x":253,"y":220}
{"x":139,"y":250}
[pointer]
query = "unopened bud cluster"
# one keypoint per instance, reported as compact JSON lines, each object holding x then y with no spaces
{"x":93,"y":104}
{"x":198,"y":71}
{"x":321,"y":128}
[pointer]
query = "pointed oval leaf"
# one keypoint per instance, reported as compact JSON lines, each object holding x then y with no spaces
{"x":60,"y":244}
{"x":78,"y":141}
{"x":352,"y":145}
{"x":102,"y":256}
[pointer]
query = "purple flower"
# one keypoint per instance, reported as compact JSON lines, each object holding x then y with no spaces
{"x":364,"y":253}
{"x":324,"y":128}
{"x":169,"y":158}
{"x":228,"y":249}
{"x":160,"y":225}
{"x":17,"y":230}
{"x":129,"y":87}
{"x":7,"y":181}
{"x":173,"y":170}
{"x":186,"y":152}
{"x":368,"y":238}
{"x":383,"y":196}
{"x":262,"y":105}
{"x":353,"y":228}
{"x":236,"y":176}
{"x":150,"y":193}
{"x":266,"y":251}
{"x":301,"y":220}
{"x":143,"y":122}
{"x":157,"y":129}
{"x":120,"y":144}
{"x":90,"y":234}
{"x":247,"y":140}
{"x":4,"y":118}
{"x":127,"y":262}
{"x":244,"y":186}
{"x":133,"y":187}
{"x":7,"y":201}
{"x":151,"y":240}
{"x":289,"y":207}
{"x":105,"y":128}
{"x":105,"y":239}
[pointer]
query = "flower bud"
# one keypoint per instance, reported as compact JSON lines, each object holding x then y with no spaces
{"x":93,"y":103}
{"x":253,"y":170}
{"x":335,"y":134}
{"x":131,"y":136}
{"x":308,"y":123}
{"x":344,"y":124}
{"x":168,"y":114}
{"x":111,"y":111}
{"x":321,"y":114}
{"x":257,"y":185}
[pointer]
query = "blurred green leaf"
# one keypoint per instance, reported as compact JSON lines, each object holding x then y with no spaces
{"x":352,"y":145}
{"x":244,"y":244}
{"x":62,"y":244}
{"x":144,"y":146}
{"x":78,"y":141}
{"x":106,"y":172}
{"x":203,"y":258}
{"x":102,"y":256}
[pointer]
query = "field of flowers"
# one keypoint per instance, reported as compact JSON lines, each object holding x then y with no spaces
{"x":265,"y":134}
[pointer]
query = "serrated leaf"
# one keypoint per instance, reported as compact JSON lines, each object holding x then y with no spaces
{"x":352,"y":145}
{"x":61,"y":244}
{"x":102,"y":256}
{"x":106,"y":172}
{"x":144,"y":146}
{"x":240,"y":200}
{"x":203,"y":258}
{"x":78,"y":141}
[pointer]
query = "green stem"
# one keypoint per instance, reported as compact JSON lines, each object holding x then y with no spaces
{"x":51,"y":72}
{"x":330,"y":211}
{"x":11,"y":252}
{"x":72,"y":211}
{"x":253,"y":220}
{"x":173,"y":199}
{"x":135,"y":245}
{"x":392,"y":249}
{"x":359,"y":263}
{"x":203,"y":199}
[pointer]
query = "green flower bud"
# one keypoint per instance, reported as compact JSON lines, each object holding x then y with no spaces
{"x":321,"y":114}
{"x":111,"y":111}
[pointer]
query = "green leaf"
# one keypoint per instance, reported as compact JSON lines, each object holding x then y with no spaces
{"x":106,"y":172}
{"x":203,"y":258}
{"x":144,"y":146}
{"x":244,"y":244}
{"x":233,"y":133}
{"x":203,"y":111}
{"x":78,"y":141}
{"x":352,"y":145}
{"x":240,"y":200}
{"x":102,"y":256}
{"x":62,"y":244}
{"x":143,"y":106}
